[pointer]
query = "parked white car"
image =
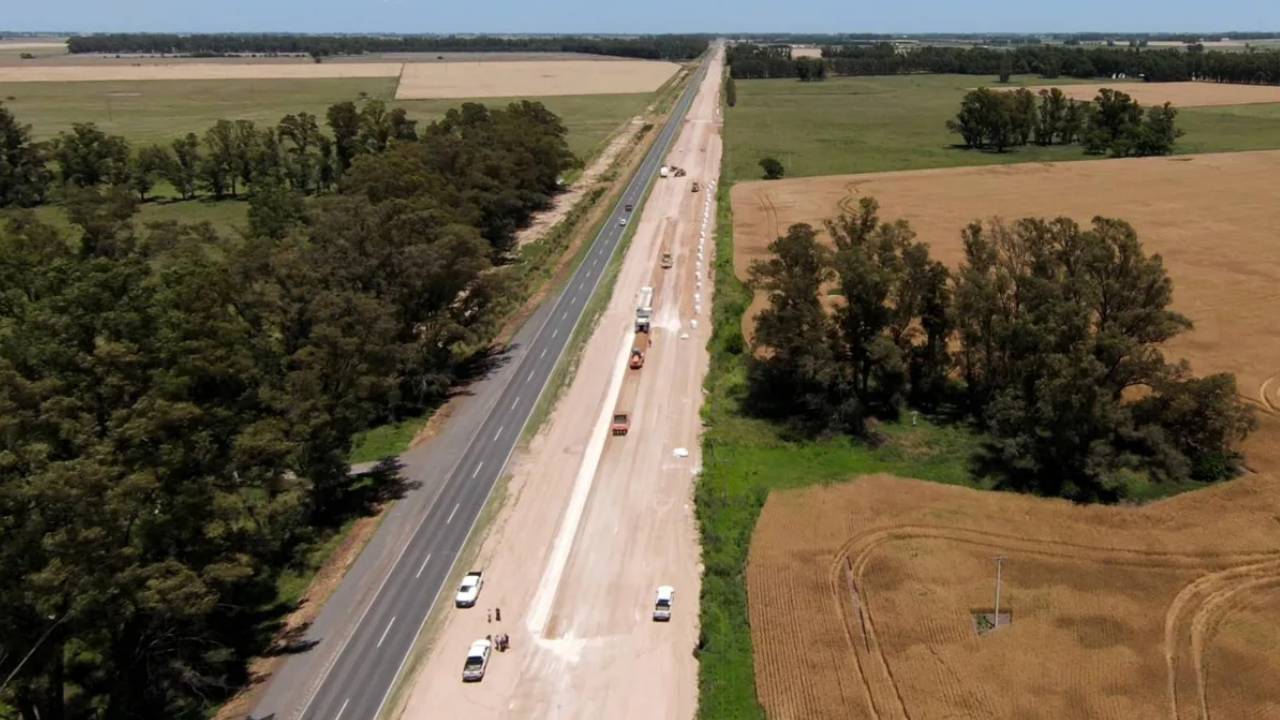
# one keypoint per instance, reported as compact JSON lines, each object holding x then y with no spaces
{"x":662,"y":604}
{"x":477,"y":661}
{"x":469,"y":589}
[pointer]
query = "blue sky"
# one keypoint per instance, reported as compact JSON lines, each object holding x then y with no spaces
{"x":646,"y":16}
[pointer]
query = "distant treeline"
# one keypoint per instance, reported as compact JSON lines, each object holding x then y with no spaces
{"x":1050,"y":61}
{"x":651,"y":47}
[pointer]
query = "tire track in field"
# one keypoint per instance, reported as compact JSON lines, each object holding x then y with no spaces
{"x":885,"y":695}
{"x":1269,"y":394}
{"x":770,"y":213}
{"x":1215,"y":596}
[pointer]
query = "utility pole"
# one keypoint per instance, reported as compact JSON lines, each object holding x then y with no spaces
{"x":999,"y":562}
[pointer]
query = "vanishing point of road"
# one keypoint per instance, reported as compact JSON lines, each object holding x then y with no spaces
{"x":359,"y":677}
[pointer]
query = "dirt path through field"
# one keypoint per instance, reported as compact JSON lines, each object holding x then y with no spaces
{"x":595,"y":523}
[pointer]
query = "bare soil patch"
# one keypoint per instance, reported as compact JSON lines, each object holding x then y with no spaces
{"x":1181,"y":94}
{"x":176,"y":69}
{"x":861,"y":596}
{"x":422,"y":81}
{"x":1212,"y":217}
{"x":799,"y":51}
{"x":45,"y":46}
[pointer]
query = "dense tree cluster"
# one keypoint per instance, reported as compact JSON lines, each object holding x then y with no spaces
{"x":650,"y":47}
{"x":177,"y":407}
{"x":1049,"y":333}
{"x":310,"y":156}
{"x":1113,"y":124}
{"x":1049,"y":61}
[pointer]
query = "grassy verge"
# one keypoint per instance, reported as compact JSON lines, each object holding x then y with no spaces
{"x":880,"y":124}
{"x":386,"y":440}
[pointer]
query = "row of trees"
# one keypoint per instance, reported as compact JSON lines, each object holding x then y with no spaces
{"x":1050,"y":61}
{"x":1048,"y":334}
{"x":177,"y":406}
{"x":650,"y":47}
{"x":1113,"y":124}
{"x":232,"y":157}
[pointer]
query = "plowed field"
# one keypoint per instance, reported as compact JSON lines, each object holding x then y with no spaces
{"x":860,"y":601}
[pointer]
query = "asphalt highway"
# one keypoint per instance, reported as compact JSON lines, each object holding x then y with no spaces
{"x":359,"y":681}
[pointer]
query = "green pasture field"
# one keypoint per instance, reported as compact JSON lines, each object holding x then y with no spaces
{"x":159,"y":110}
{"x":880,"y":124}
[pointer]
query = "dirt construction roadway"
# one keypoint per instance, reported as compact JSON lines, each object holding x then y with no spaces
{"x":593,"y":523}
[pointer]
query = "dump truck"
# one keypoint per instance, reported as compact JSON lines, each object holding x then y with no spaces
{"x":695,"y":186}
{"x":621,"y":423}
{"x":638,"y":346}
{"x":678,"y":171}
{"x":667,"y":261}
{"x":644,"y":309}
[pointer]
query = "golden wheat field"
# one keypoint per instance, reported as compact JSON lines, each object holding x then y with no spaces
{"x":861,"y":596}
{"x":177,"y":69}
{"x":1181,"y":94}
{"x":533,"y":78}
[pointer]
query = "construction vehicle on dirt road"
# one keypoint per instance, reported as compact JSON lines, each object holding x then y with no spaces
{"x":638,"y":346}
{"x":695,"y":186}
{"x":621,"y":423}
{"x":667,"y":261}
{"x":644,"y":309}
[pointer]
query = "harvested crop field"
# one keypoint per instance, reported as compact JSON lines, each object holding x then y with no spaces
{"x":1212,"y":217}
{"x":422,"y":81}
{"x":1181,"y":94}
{"x":178,"y":70}
{"x":861,"y":598}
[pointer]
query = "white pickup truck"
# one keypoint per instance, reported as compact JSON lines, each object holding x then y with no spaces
{"x":469,"y":589}
{"x":477,"y":661}
{"x":662,"y":605}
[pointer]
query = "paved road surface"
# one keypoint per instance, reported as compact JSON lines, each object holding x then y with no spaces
{"x":355,"y":682}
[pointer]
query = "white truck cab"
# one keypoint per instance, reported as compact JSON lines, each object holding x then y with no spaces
{"x":662,"y":604}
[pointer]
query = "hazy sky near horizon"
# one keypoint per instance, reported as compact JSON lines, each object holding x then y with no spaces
{"x":649,"y":16}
